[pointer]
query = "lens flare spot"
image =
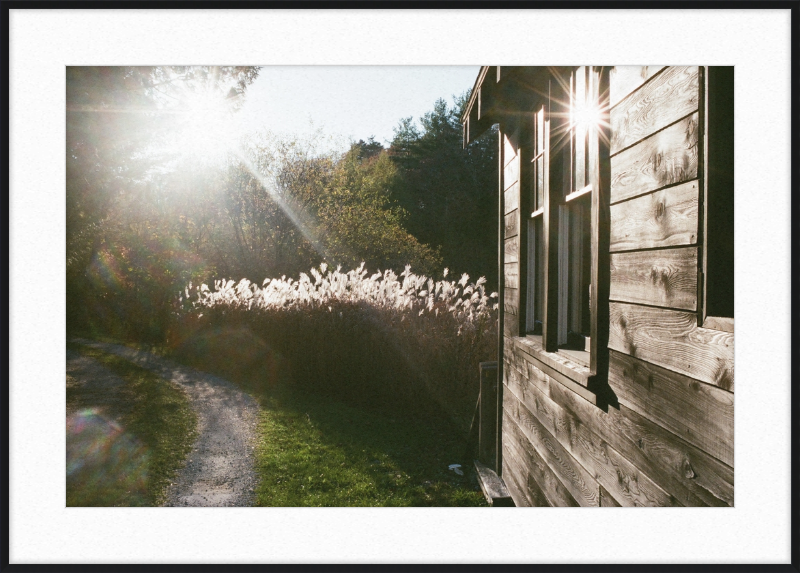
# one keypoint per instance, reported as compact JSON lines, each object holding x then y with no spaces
{"x":103,"y":462}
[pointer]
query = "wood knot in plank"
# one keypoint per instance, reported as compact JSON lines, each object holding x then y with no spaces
{"x":688,"y":470}
{"x":724,"y":378}
{"x":659,"y":275}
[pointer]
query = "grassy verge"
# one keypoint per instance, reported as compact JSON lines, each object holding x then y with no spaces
{"x":315,"y":452}
{"x":318,"y":451}
{"x":130,"y":462}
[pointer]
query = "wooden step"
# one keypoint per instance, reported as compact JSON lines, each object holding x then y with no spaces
{"x":493,"y":486}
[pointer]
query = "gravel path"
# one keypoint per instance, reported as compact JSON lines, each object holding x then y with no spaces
{"x":219,"y":470}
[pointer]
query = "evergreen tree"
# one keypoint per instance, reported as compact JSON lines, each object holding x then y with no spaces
{"x":450,"y":193}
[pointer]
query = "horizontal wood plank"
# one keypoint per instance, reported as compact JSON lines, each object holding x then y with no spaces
{"x":494,"y":488}
{"x":660,"y":278}
{"x":664,"y":218}
{"x":629,"y":485}
{"x":625,"y":79}
{"x":532,"y":465}
{"x":511,"y":250}
{"x":606,"y":499}
{"x":520,"y":376}
{"x":510,"y":325}
{"x":718,"y":323}
{"x":662,"y":455}
{"x":511,"y":224}
{"x":511,"y":301}
{"x":673,"y":94}
{"x":509,"y":149}
{"x":524,"y":490}
{"x":525,"y":467}
{"x":531,"y":367}
{"x":511,"y":198}
{"x":555,"y":360}
{"x":579,"y":482}
{"x":664,"y":158}
{"x":699,"y":413}
{"x":511,"y":174}
{"x":671,"y":339}
{"x":511,"y":274}
{"x":521,"y":494}
{"x":692,"y":476}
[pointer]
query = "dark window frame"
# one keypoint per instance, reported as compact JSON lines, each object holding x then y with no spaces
{"x":533,"y":190}
{"x":592,"y":360}
{"x":716,"y":285}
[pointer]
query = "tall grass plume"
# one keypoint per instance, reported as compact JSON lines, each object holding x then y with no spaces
{"x":386,"y":340}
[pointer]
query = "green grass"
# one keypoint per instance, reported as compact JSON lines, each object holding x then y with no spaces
{"x":316,"y":452}
{"x":157,"y":429}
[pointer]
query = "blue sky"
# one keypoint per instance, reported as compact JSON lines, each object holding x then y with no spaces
{"x":348,"y":102}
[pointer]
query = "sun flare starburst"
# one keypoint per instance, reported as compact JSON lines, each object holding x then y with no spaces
{"x":207,"y":130}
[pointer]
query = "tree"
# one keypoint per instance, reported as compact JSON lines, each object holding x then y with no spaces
{"x":448,"y":192}
{"x":288,"y":206}
{"x":360,"y":221}
{"x":366,"y":149}
{"x":116,"y":117}
{"x":145,"y":217}
{"x":268,"y":203}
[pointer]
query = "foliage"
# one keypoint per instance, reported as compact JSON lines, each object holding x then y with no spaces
{"x":359,"y":220}
{"x":449,"y":193}
{"x":367,"y":382}
{"x":114,"y":116}
{"x":283,"y":205}
{"x":266,"y":208}
{"x":383,"y":340}
{"x":116,"y":119}
{"x":143,"y":219}
{"x":468,"y":303}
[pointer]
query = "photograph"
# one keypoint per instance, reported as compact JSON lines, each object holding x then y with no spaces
{"x":403,"y":287}
{"x":399,"y":286}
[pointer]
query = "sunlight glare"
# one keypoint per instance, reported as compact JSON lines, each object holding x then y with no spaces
{"x":208,"y":131}
{"x":586,"y":115}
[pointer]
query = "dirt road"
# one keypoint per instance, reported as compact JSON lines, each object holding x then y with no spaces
{"x":219,"y":470}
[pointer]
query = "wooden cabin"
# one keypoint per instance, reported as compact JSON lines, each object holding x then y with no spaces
{"x":616,"y":285}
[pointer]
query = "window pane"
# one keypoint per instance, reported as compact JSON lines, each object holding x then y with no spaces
{"x":540,"y":130}
{"x":535,"y":306}
{"x":540,"y":182}
{"x":579,"y":268}
{"x":579,"y":105}
{"x":540,"y":257}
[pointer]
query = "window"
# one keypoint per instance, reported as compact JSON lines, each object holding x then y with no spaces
{"x":566,"y":239}
{"x":534,"y":180}
{"x":574,"y":224}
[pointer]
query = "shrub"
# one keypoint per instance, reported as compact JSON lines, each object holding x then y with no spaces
{"x":383,"y":340}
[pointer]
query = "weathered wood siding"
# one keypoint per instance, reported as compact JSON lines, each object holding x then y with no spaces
{"x":666,"y":218}
{"x":668,"y":441}
{"x":512,"y":218}
{"x":662,"y":278}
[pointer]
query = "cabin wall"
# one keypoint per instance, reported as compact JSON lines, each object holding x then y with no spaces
{"x":511,"y":236}
{"x":669,"y":441}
